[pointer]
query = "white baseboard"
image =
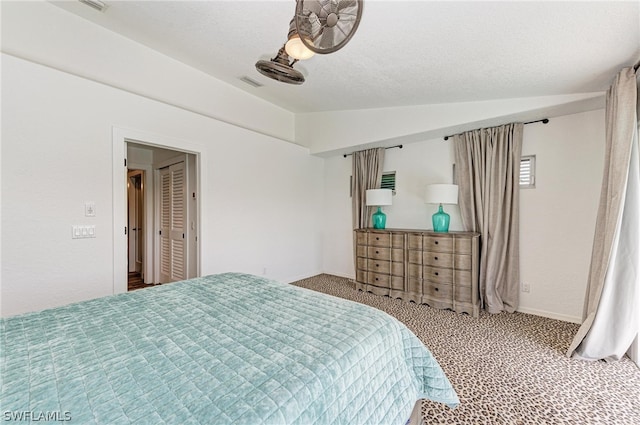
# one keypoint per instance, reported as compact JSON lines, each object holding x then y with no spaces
{"x":306,"y":276}
{"x":340,"y":274}
{"x":550,"y":315}
{"x":299,"y":277}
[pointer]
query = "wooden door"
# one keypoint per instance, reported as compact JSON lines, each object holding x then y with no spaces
{"x":173,"y":209}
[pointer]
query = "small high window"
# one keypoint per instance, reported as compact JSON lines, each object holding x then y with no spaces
{"x":528,"y":172}
{"x":388,"y":181}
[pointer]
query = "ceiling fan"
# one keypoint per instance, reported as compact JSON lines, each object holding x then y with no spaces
{"x":318,"y":26}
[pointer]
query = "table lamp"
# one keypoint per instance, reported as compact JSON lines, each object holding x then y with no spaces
{"x":378,"y":198}
{"x":441,"y":194}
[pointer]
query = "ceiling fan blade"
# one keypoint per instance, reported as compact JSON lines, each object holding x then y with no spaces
{"x":329,"y":23}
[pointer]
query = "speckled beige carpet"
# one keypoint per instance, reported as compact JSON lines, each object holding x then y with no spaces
{"x":509,"y":368}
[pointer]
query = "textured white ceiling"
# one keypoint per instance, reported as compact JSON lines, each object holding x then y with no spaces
{"x":403,"y":53}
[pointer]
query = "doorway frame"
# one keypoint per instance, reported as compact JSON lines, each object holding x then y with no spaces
{"x":121,"y":137}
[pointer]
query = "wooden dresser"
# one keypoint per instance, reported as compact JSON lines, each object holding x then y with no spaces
{"x":438,"y":269}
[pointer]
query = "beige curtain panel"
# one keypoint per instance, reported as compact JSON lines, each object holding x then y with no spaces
{"x":488,"y":174}
{"x":611,"y":316}
{"x":366,"y":174}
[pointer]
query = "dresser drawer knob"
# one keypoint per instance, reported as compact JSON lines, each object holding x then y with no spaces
{"x":436,"y":289}
{"x":377,"y":252}
{"x":377,"y":239}
{"x":377,"y":265}
{"x":436,"y":242}
{"x":436,"y":273}
{"x":435,"y":258}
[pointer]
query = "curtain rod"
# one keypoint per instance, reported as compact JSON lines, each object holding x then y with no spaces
{"x":543,"y":121}
{"x":388,"y":147}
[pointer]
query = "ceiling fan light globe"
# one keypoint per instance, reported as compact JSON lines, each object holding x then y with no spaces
{"x":296,"y":49}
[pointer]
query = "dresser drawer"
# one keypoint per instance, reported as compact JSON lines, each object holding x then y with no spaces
{"x":463,"y":277}
{"x":414,"y":271}
{"x":397,"y":282}
{"x":463,"y":245}
{"x":381,"y":266}
{"x":361,"y":264}
{"x":437,"y":291}
{"x":385,"y":240}
{"x":415,"y":256}
{"x":463,"y":294}
{"x":437,"y":275}
{"x":443,"y":259}
{"x":385,"y":281}
{"x":414,"y":241}
{"x":414,"y":285}
{"x":379,"y":239}
{"x":437,"y":244}
{"x":379,"y":253}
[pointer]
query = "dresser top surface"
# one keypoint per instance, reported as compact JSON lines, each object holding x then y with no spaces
{"x":424,"y":231}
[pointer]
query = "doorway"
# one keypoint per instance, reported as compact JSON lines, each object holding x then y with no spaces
{"x":136,"y":225}
{"x":137,"y":150}
{"x":162,"y":215}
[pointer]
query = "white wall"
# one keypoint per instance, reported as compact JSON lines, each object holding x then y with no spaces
{"x":366,"y":128}
{"x":260,"y":208}
{"x":43,"y":33}
{"x":57,"y":153}
{"x":557,"y":217}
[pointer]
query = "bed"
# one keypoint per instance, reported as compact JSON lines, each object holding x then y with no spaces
{"x":223,"y":349}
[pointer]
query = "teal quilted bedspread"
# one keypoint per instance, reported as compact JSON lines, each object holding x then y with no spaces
{"x":223,"y":349}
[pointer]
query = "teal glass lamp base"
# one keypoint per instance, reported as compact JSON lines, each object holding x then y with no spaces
{"x":440,"y":221}
{"x":379,"y":219}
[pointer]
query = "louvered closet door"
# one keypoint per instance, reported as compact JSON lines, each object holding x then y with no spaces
{"x":173,"y":210}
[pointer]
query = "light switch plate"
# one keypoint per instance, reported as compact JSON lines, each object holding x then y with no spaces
{"x":83,"y":231}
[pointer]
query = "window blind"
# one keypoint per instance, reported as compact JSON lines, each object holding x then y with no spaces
{"x":527,"y":172}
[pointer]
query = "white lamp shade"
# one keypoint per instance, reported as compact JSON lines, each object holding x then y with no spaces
{"x":441,"y":194}
{"x":379,"y":197}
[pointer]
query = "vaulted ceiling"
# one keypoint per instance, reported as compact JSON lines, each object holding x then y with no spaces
{"x":403,"y":53}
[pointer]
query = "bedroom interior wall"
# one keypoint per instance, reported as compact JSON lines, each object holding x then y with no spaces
{"x":345,"y":131}
{"x":41,"y":32}
{"x":557,"y":217}
{"x":259,"y":215}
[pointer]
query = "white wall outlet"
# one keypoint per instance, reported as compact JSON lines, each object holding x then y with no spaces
{"x":526,"y":287}
{"x":90,"y":209}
